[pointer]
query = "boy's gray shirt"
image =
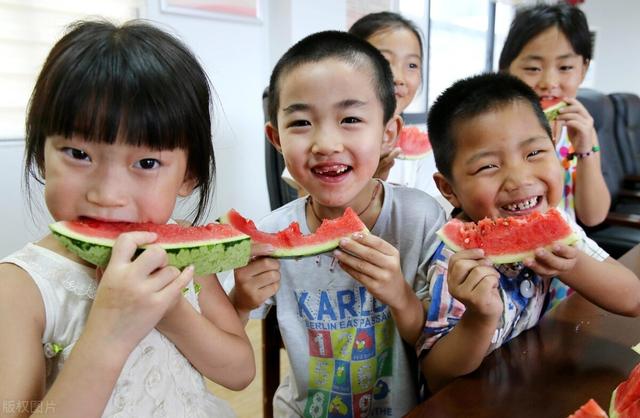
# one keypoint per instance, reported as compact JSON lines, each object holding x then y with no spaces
{"x":347,"y":357}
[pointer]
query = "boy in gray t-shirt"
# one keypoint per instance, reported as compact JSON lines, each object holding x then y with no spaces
{"x":349,"y":319}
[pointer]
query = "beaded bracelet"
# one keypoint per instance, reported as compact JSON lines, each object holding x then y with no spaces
{"x":581,"y":155}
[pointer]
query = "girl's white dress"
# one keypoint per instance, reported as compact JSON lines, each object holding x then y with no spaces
{"x":156,"y":380}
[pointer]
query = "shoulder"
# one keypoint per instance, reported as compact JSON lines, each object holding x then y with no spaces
{"x":413,"y":204}
{"x":16,"y":288}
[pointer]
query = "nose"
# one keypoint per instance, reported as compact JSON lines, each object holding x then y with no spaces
{"x":398,"y":74}
{"x":327,"y":141}
{"x":106,"y":188}
{"x":549,"y":80}
{"x":517,"y":179}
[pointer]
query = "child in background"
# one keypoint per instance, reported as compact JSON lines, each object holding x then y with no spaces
{"x":549,"y":47}
{"x":348,"y":319}
{"x":496,"y":158}
{"x":400,"y":42}
{"x":118,"y":128}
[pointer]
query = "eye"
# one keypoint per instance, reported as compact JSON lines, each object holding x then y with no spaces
{"x":531,"y":69}
{"x":414,"y":66}
{"x":76,"y":154}
{"x":535,"y":153}
{"x":147,"y":164}
{"x":351,"y":119}
{"x":566,"y":68}
{"x":485,"y":168}
{"x":298,"y":123}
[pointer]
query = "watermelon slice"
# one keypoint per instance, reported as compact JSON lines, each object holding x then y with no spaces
{"x":291,"y":243}
{"x":511,"y":239}
{"x":625,"y":401}
{"x":591,"y":409}
{"x":414,"y":143}
{"x":551,"y":107}
{"x":211,"y":248}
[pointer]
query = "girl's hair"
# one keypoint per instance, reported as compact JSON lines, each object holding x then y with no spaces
{"x":370,"y":24}
{"x":133,"y":83}
{"x":529,"y":22}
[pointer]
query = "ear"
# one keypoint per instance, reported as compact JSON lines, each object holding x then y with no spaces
{"x":391,"y":131}
{"x":273,"y":135}
{"x":188,"y":185}
{"x":585,"y":68}
{"x":446,"y":189}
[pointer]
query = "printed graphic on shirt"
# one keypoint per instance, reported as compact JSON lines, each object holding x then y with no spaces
{"x":350,"y":344}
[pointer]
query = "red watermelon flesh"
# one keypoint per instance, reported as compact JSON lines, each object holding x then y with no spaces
{"x":625,"y":402}
{"x":290,"y":242}
{"x":414,"y":143}
{"x":510,"y":239}
{"x":551,"y":107}
{"x":210,"y":248}
{"x":591,"y":409}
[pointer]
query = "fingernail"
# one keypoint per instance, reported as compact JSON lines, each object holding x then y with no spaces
{"x":344,"y":241}
{"x":337,"y":253}
{"x":540,"y":252}
{"x":358,"y":235}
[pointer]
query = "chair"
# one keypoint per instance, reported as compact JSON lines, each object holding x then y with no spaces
{"x":621,"y":229}
{"x":279,"y":194}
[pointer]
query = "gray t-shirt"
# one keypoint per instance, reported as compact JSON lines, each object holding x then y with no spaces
{"x":347,"y":357}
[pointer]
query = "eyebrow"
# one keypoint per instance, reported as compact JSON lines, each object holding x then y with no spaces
{"x":343,"y":104}
{"x":390,"y":52}
{"x":522,"y":144}
{"x":540,"y":58}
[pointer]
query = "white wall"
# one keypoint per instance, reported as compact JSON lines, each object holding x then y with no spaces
{"x":616,"y":55}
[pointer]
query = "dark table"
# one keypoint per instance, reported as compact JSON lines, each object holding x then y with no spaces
{"x":578,"y":351}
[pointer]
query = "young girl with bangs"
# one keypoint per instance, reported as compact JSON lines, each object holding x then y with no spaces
{"x":117,"y":129}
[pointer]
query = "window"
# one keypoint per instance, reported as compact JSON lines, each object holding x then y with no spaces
{"x":28,"y":30}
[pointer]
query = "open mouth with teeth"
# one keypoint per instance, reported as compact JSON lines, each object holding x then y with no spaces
{"x":523,"y":205}
{"x":334,"y":171}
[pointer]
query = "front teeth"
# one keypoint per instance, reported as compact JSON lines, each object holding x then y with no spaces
{"x":527,"y":204}
{"x":327,"y":170}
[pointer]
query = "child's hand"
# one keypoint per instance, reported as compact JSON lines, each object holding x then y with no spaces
{"x":133,"y":296}
{"x":376,"y":264}
{"x":561,"y":259}
{"x":387,"y":160}
{"x":256,"y":282}
{"x":473,"y":280}
{"x":579,"y":122}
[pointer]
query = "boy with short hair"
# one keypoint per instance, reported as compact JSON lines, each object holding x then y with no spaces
{"x":496,"y":158}
{"x":349,"y":319}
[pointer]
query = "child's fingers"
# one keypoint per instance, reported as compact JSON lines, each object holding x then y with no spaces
{"x":255,"y":268}
{"x":127,"y":244}
{"x":564,"y":251}
{"x":261,"y":250}
{"x":175,"y":286}
{"x":358,"y":267}
{"x":151,"y":259}
{"x":266,"y":279}
{"x":368,"y":247}
{"x":162,"y":277}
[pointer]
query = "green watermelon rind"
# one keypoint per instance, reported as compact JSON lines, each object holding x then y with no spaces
{"x":612,"y":405}
{"x":211,"y":257}
{"x":309,"y":250}
{"x":552,"y":112}
{"x":511,"y":257}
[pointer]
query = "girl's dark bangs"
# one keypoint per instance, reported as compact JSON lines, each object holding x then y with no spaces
{"x":108,"y":101}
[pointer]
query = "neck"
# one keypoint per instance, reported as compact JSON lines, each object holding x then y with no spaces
{"x":367,"y":211}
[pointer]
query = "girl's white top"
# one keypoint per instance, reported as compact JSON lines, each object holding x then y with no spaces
{"x":156,"y":380}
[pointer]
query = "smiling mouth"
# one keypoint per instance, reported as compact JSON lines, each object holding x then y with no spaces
{"x":523,"y":205}
{"x":332,"y":171}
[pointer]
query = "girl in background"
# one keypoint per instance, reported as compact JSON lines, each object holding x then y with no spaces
{"x":118,"y":128}
{"x":549,"y":47}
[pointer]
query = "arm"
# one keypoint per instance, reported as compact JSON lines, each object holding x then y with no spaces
{"x":592,"y":197}
{"x":214,"y":341}
{"x":473,"y":281}
{"x":126,"y":307}
{"x":606,"y":283}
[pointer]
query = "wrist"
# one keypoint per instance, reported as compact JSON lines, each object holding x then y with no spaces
{"x":584,"y":153}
